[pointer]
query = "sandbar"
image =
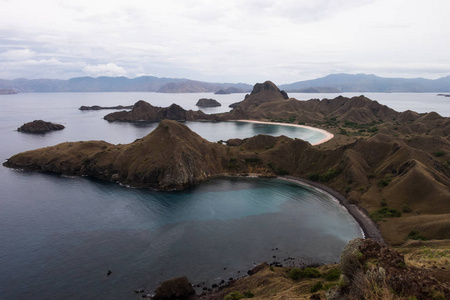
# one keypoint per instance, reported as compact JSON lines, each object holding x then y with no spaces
{"x":328,"y":135}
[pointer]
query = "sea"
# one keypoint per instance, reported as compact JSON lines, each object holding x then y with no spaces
{"x":60,"y":236}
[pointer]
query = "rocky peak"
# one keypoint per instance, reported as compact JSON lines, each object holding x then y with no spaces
{"x":268,"y":86}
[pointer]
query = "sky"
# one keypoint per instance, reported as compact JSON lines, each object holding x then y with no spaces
{"x":224,"y":40}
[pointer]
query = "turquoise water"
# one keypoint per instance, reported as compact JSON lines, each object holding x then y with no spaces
{"x":60,"y":235}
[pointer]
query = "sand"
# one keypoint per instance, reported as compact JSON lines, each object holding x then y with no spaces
{"x":328,"y":135}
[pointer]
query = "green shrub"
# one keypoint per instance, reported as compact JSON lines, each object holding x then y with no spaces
{"x":385,"y":212}
{"x":304,"y":273}
{"x":415,"y":235}
{"x":406,"y":208}
{"x":314,"y":177}
{"x":317,"y":286}
{"x":333,"y":274}
{"x":234,"y":296}
{"x":439,"y":153}
{"x":249,"y":294}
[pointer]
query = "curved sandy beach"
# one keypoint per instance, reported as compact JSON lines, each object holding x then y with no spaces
{"x":328,"y":135}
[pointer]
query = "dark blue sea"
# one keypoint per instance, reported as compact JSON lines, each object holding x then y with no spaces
{"x":59,"y":235}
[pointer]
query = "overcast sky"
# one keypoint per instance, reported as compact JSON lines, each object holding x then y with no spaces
{"x":224,"y":40}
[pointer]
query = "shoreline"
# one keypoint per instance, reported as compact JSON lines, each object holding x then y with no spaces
{"x":328,"y":135}
{"x":368,"y":226}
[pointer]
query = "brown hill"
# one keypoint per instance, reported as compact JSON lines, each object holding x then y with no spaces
{"x":145,"y":112}
{"x":170,"y":157}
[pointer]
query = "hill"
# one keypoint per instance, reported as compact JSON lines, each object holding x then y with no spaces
{"x":369,"y":83}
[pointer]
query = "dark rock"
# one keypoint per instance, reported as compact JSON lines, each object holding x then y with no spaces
{"x":204,"y":102}
{"x":257,"y":268}
{"x":233,"y":105}
{"x":177,"y":288}
{"x":39,"y":126}
{"x":97,"y":107}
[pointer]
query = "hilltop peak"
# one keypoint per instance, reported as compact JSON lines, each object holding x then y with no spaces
{"x":268,"y":86}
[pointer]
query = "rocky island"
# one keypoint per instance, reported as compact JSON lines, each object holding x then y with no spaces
{"x":204,"y":102}
{"x":8,"y":92}
{"x":145,"y":112}
{"x":393,"y":165}
{"x":39,"y":126}
{"x":97,"y":107}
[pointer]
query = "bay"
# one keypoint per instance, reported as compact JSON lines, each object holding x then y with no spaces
{"x":60,"y":235}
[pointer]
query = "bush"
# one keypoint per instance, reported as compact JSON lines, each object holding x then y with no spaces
{"x":234,"y":296}
{"x":333,"y":274}
{"x":406,"y":208}
{"x":415,"y":235}
{"x":439,"y":153}
{"x":317,"y":286}
{"x":385,"y":212}
{"x":304,"y":273}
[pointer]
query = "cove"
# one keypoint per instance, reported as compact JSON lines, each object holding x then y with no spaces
{"x":71,"y":235}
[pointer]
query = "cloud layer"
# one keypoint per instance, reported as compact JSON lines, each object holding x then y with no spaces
{"x":224,"y":40}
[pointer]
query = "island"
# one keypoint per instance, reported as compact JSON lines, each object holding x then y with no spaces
{"x":8,"y":92}
{"x":97,"y":107}
{"x":204,"y":102}
{"x":145,"y":112}
{"x":39,"y":126}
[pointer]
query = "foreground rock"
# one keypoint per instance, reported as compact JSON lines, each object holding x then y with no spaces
{"x":97,"y":107}
{"x":177,"y":288}
{"x":39,"y":126}
{"x":374,"y":271}
{"x":204,"y":102}
{"x":145,"y":112}
{"x":367,"y":270}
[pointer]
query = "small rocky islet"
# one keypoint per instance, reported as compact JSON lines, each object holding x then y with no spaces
{"x":39,"y":126}
{"x":394,"y":165}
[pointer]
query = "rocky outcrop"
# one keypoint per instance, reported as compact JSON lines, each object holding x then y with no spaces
{"x":97,"y":107}
{"x":373,"y":271}
{"x":204,"y":102}
{"x":145,"y":112}
{"x":176,"y":288}
{"x":39,"y":126}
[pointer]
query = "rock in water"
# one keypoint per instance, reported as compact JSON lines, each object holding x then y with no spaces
{"x":204,"y":102}
{"x":177,"y":288}
{"x":39,"y":126}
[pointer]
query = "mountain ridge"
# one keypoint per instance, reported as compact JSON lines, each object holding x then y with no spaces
{"x":333,"y":83}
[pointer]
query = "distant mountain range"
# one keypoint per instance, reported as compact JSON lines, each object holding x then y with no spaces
{"x":335,"y":83}
{"x":119,"y":84}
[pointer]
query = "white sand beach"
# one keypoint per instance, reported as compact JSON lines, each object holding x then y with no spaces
{"x":328,"y":135}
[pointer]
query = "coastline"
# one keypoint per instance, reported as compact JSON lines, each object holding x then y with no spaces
{"x":328,"y":135}
{"x":368,"y":226}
